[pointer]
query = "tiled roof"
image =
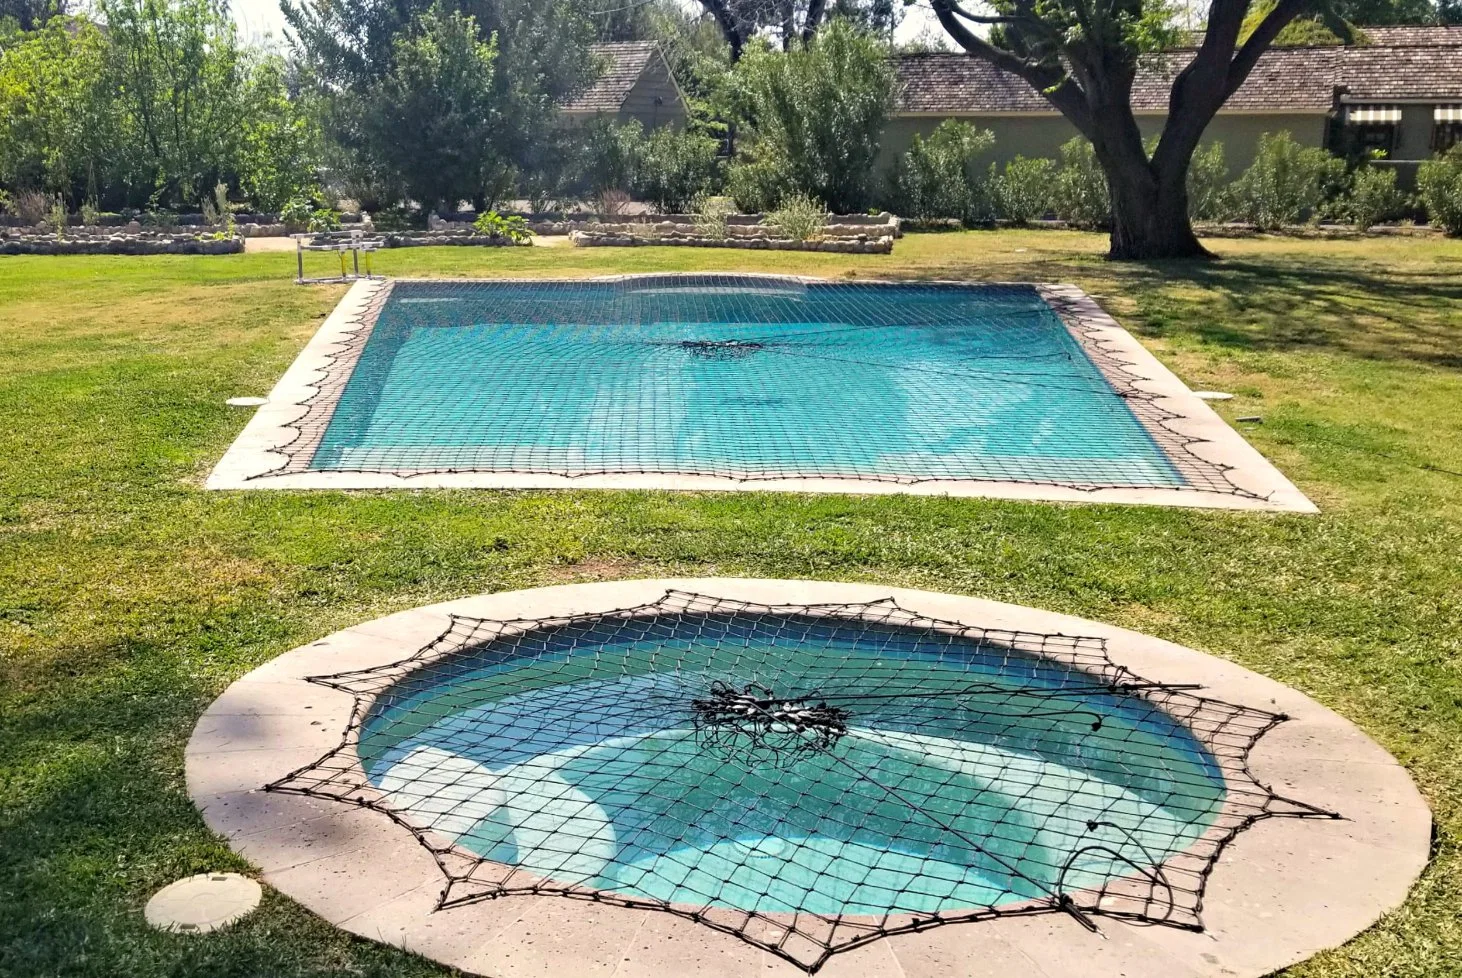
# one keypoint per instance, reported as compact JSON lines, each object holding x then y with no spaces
{"x":625,"y":62}
{"x":1402,"y":73}
{"x":1398,"y":37}
{"x":1294,"y":79}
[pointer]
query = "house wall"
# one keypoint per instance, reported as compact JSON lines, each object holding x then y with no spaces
{"x":1042,"y":135}
{"x":654,"y":101}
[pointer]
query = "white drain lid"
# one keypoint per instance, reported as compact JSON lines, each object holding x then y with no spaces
{"x":247,"y":401}
{"x":1213,"y":396}
{"x":202,"y":903}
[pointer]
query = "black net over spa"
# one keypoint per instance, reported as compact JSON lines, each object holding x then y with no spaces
{"x":807,"y":778}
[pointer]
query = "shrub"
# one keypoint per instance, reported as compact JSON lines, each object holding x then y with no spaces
{"x":811,"y":119}
{"x":1079,"y":194}
{"x":938,"y":177}
{"x":1209,"y":196}
{"x":322,"y":220}
{"x":1440,"y":183}
{"x":58,"y":216}
{"x":1022,"y":191}
{"x":1374,"y":197}
{"x":493,"y":224}
{"x":5,"y":201}
{"x":676,"y":166}
{"x":711,"y":214}
{"x":1287,"y":182}
{"x":610,"y":156}
{"x":297,"y":211}
{"x":91,"y":214}
{"x":31,"y":206}
{"x":799,"y":217}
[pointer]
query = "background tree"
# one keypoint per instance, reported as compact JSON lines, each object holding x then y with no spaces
{"x":178,"y":77}
{"x":29,"y":15}
{"x":811,"y":120}
{"x":1084,"y":57}
{"x":430,"y":115}
{"x":795,"y":22}
{"x":348,"y":51}
{"x":56,"y":133}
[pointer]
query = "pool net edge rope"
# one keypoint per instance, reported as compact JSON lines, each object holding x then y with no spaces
{"x":1198,"y":474}
{"x":1135,"y":885}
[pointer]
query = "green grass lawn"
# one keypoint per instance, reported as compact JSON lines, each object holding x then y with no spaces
{"x":129,"y":597}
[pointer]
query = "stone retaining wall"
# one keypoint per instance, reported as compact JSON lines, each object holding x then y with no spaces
{"x":845,"y":238}
{"x":128,"y":240}
{"x":466,"y":236}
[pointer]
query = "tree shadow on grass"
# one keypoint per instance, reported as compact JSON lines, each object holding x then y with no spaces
{"x":1336,"y":302}
{"x":1410,"y":314}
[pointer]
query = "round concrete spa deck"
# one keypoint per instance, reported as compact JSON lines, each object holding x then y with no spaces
{"x":1282,"y":891}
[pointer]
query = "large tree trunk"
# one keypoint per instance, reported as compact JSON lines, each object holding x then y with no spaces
{"x":1149,"y":198}
{"x":1150,"y":219}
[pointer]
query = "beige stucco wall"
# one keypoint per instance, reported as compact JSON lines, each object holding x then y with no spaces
{"x":654,"y":100}
{"x":1042,"y":135}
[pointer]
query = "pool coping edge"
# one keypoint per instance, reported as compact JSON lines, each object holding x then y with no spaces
{"x":255,"y":459}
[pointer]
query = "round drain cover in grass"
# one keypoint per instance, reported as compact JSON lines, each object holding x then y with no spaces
{"x":1213,"y":396}
{"x":203,"y":903}
{"x":247,"y":401}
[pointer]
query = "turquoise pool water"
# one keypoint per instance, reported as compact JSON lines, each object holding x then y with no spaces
{"x":962,"y":781}
{"x":738,"y":377}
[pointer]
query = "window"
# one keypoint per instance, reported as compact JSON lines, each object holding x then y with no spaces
{"x":1371,"y":137}
{"x":1445,"y":135}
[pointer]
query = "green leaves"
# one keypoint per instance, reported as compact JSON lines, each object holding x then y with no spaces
{"x":429,"y":117}
{"x":812,"y":120}
{"x":1440,"y":182}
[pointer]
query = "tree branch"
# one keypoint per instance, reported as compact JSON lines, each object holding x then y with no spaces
{"x":1258,"y":42}
{"x":1052,"y":82}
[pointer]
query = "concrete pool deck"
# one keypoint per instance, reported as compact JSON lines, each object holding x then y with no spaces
{"x":278,"y":439}
{"x":1282,"y":891}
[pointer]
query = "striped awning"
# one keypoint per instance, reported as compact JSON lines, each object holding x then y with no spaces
{"x":1448,"y":113}
{"x":1373,"y":115}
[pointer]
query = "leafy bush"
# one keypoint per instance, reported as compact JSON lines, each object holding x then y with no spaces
{"x":1079,"y":194}
{"x":676,"y":166}
{"x":811,"y":120}
{"x":323,"y":220}
{"x":297,"y":211}
{"x":799,"y":217}
{"x":91,"y":214}
{"x":610,"y":156}
{"x":939,"y":177}
{"x":1374,"y":197}
{"x":1022,"y":191}
{"x":1440,"y":183}
{"x":512,"y":228}
{"x":1209,"y":196}
{"x":1287,"y":182}
{"x":711,"y":214}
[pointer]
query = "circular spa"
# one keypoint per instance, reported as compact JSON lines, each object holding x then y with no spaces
{"x":796,"y":774}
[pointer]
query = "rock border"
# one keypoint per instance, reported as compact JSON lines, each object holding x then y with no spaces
{"x":131,"y":239}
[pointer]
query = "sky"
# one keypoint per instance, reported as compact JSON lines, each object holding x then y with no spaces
{"x":259,"y":19}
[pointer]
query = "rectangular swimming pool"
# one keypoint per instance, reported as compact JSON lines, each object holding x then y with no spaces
{"x":741,"y":379}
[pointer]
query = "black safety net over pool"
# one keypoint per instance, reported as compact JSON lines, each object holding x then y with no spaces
{"x":806,"y":777}
{"x":740,"y":377}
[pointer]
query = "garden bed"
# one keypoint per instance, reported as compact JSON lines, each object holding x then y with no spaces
{"x":128,"y":240}
{"x":858,"y":235}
